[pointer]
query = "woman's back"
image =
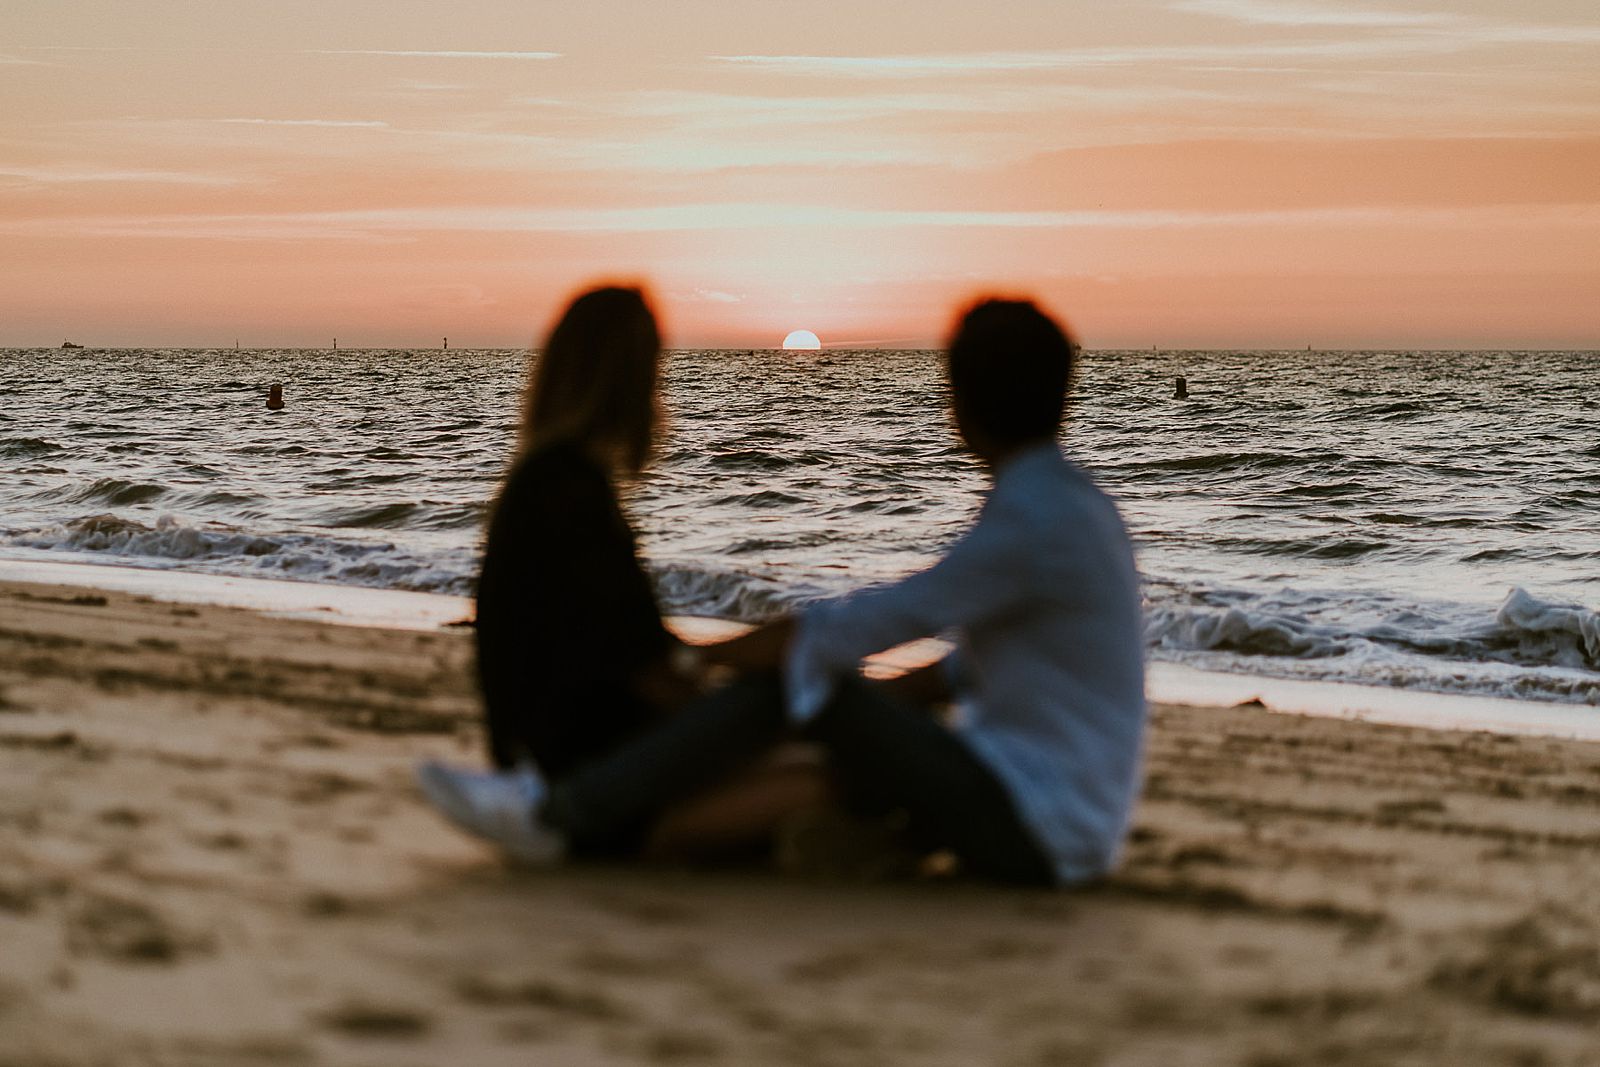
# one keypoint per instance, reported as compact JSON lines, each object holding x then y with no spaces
{"x":566,"y":616}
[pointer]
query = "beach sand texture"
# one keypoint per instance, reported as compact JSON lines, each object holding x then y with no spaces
{"x":211,"y":853}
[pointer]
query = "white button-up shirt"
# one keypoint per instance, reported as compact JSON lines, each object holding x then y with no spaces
{"x":1042,"y":601}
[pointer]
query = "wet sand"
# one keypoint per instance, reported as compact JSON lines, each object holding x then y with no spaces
{"x":211,"y":853}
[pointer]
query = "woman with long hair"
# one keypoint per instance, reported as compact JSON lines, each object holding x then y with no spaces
{"x":572,"y":652}
{"x":573,"y":656}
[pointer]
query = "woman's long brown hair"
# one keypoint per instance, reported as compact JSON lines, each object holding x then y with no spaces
{"x":594,"y":385}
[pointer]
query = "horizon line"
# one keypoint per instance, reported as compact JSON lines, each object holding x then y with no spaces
{"x":845,"y":346}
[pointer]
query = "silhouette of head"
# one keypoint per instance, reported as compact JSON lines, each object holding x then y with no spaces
{"x":594,"y":385}
{"x":1010,"y":366}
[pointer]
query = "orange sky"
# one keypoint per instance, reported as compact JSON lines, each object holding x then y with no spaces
{"x":1200,"y":173}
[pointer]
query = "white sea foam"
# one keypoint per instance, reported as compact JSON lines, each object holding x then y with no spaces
{"x":168,"y":541}
{"x":1527,"y":648}
{"x":1573,"y":632}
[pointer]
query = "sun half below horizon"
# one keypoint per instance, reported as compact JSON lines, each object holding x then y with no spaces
{"x":1178,"y":173}
{"x":801,"y":340}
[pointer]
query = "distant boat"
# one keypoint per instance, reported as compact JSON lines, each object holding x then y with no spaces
{"x":69,"y":344}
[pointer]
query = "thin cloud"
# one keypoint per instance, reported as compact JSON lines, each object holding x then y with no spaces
{"x":1467,"y":30}
{"x":1271,"y":13}
{"x":674,"y":151}
{"x":1409,"y":36}
{"x":81,"y":175}
{"x":1535,"y":34}
{"x":400,"y":224}
{"x":420,"y":54}
{"x":976,"y":63}
{"x":434,"y":87}
{"x":1473,"y":75}
{"x":334,"y":123}
{"x":728,"y":110}
{"x":663,"y":148}
{"x":705,"y":296}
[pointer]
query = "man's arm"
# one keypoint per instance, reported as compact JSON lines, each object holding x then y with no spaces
{"x":985,"y":574}
{"x":765,"y":647}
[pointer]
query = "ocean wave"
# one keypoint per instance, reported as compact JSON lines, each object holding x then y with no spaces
{"x":218,"y":498}
{"x":1567,"y":633}
{"x":1524,"y":632}
{"x":218,"y":548}
{"x":26,"y":447}
{"x":755,"y":459}
{"x":1330,"y":548}
{"x":752,"y":545}
{"x":1393,"y":410}
{"x":1348,"y":488}
{"x":727,"y":593}
{"x":118,"y":492}
{"x":1394,"y":518}
{"x":376,"y":516}
{"x":1239,"y":630}
{"x":166,"y":538}
{"x":766,"y":498}
{"x":771,"y":433}
{"x":882,"y":507}
{"x":1219,"y":462}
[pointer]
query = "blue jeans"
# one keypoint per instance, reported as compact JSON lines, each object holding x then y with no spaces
{"x":888,"y":756}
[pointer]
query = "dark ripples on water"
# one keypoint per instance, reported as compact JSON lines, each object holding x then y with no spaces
{"x":1354,"y":515}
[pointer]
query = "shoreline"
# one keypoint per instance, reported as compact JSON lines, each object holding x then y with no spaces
{"x":212,"y":852}
{"x":1166,"y":683}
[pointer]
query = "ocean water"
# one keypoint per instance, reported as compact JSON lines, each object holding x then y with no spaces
{"x":1423,"y":520}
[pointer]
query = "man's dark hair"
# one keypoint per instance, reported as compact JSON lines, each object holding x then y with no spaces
{"x":1010,"y":365}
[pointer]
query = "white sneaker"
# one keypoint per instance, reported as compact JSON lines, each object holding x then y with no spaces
{"x":498,"y":806}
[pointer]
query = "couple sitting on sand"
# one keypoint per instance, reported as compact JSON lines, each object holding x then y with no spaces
{"x":610,"y":739}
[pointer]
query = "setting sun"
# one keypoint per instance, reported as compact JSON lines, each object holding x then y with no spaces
{"x":802,"y":340}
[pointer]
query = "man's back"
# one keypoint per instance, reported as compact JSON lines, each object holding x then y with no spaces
{"x":1052,"y":674}
{"x":1042,"y":598}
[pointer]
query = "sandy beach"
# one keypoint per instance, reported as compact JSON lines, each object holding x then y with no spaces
{"x":211,"y":853}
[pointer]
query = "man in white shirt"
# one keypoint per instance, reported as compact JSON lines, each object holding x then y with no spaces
{"x":1036,"y":780}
